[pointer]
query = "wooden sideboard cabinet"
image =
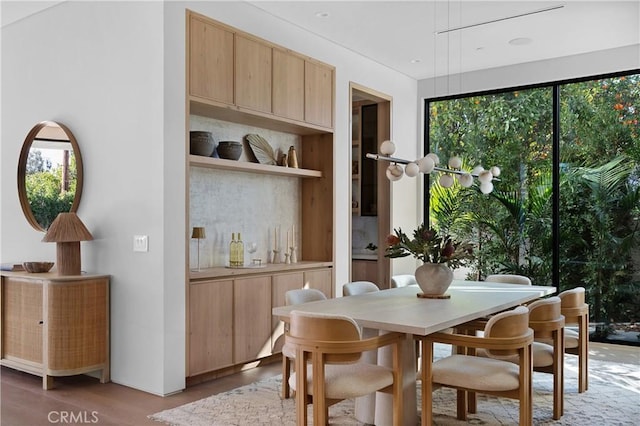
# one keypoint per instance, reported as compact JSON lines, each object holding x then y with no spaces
{"x":55,"y":325}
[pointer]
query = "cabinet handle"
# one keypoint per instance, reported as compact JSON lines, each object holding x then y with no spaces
{"x":40,"y":322}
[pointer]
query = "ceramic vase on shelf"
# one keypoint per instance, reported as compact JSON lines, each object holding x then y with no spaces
{"x":434,"y":278}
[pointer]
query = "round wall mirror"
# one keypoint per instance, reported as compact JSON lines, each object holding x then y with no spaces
{"x":49,"y":174}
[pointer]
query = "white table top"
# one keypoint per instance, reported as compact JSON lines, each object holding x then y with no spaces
{"x":399,"y":309}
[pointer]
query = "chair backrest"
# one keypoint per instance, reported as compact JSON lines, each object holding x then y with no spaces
{"x":359,"y":287}
{"x":573,"y":305}
{"x":311,"y":326}
{"x":509,"y":279}
{"x":303,"y":295}
{"x":508,"y":324}
{"x":545,"y":316}
{"x":403,"y":280}
{"x":572,"y":298}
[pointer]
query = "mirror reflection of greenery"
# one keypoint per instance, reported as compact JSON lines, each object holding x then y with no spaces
{"x":45,"y":187}
{"x":599,"y":187}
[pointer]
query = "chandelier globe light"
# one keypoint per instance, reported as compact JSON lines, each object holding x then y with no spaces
{"x":430,"y":163}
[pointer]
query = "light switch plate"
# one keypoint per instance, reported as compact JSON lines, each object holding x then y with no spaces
{"x":140,"y":243}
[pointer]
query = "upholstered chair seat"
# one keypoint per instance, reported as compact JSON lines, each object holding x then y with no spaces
{"x":328,"y":351}
{"x":506,"y":335}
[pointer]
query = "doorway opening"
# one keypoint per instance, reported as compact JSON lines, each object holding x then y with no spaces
{"x":370,"y":189}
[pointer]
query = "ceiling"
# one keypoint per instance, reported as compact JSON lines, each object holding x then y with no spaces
{"x":408,"y":36}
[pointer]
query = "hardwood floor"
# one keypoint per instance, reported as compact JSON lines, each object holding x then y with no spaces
{"x":85,"y":400}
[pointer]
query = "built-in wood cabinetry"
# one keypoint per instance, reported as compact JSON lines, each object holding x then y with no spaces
{"x":230,"y":316}
{"x":211,"y":56}
{"x":55,"y":325}
{"x":236,"y":77}
{"x":288,"y":89}
{"x":253,"y":75}
{"x":230,"y":67}
{"x":364,"y":270}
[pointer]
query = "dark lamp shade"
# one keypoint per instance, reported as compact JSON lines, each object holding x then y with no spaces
{"x":67,"y":227}
{"x":198,"y":232}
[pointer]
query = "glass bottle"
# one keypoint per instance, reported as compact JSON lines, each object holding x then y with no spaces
{"x":233,"y":251}
{"x":240,"y":251}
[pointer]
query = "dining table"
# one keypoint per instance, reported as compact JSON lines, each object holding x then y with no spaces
{"x":402,"y":310}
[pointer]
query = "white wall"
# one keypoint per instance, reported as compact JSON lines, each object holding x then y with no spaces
{"x":114,"y":73}
{"x":584,"y":65}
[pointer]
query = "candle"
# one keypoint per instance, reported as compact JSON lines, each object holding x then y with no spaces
{"x":293,"y":236}
{"x":275,"y":246}
{"x":287,"y":240}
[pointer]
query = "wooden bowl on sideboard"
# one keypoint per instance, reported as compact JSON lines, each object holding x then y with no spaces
{"x":37,"y":267}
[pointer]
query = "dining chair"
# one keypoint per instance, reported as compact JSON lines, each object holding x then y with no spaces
{"x":364,"y":406}
{"x":295,"y":297}
{"x":508,"y":278}
{"x":547,"y":322}
{"x":505,"y":334}
{"x":403,"y":280}
{"x":358,"y":287}
{"x":576,"y":312}
{"x":328,"y":369}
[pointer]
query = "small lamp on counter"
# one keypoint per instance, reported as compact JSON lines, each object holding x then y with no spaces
{"x":198,"y":233}
{"x":67,"y":230}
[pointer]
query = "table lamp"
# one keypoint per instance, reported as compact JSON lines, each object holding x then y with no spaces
{"x":67,"y":230}
{"x":198,"y":233}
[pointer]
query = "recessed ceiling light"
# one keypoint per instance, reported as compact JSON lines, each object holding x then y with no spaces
{"x":520,"y":41}
{"x":322,"y":14}
{"x":416,"y":61}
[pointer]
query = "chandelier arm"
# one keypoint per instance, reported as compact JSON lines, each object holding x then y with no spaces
{"x":379,"y":157}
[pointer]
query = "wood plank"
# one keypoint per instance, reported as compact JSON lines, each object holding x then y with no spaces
{"x":253,"y":74}
{"x":211,"y":326}
{"x":245,"y":166}
{"x":251,"y":318}
{"x":288,"y":85}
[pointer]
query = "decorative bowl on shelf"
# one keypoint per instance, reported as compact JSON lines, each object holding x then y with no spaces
{"x":229,"y":150}
{"x":37,"y":267}
{"x":201,"y":143}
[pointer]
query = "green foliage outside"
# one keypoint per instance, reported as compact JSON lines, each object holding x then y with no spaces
{"x":599,"y":187}
{"x":44,"y":183}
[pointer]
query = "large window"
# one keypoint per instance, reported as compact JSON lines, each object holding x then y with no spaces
{"x":566,"y":211}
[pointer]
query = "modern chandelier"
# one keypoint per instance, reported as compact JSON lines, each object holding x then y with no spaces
{"x":430,"y":163}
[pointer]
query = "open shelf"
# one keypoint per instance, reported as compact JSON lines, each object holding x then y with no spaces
{"x":244,"y":166}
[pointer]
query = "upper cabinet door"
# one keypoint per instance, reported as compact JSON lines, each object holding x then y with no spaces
{"x":210,"y":61}
{"x":253,"y":74}
{"x":288,"y":85}
{"x":318,"y":99}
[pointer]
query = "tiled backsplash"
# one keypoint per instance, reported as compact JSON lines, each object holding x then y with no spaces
{"x":364,"y":230}
{"x":226,"y":201}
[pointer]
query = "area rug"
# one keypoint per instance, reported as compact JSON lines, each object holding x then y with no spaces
{"x":613,"y":399}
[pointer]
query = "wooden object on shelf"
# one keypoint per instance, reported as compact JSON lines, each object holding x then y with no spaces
{"x":55,"y":325}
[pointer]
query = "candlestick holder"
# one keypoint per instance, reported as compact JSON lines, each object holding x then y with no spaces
{"x":275,"y":257}
{"x":293,"y":258}
{"x":287,"y":260}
